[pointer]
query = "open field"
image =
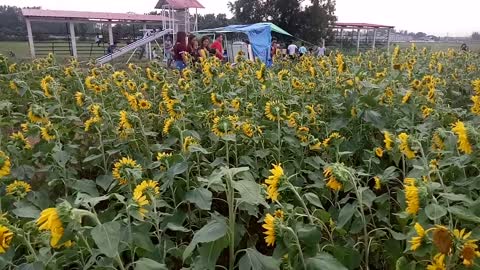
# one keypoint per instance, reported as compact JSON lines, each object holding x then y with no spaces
{"x":343,"y":162}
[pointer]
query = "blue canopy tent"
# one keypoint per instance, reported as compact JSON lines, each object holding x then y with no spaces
{"x":259,"y":35}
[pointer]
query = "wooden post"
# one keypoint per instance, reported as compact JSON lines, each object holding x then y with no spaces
{"x":341,"y":38}
{"x":358,"y":40}
{"x":110,"y":33}
{"x":374,"y":38}
{"x":30,"y":38}
{"x":73,"y":40}
{"x":147,"y":52}
{"x":196,"y":20}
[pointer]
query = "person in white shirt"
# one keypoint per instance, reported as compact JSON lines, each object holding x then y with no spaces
{"x":321,"y":51}
{"x":292,"y":50}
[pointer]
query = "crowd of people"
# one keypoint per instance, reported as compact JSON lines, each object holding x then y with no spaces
{"x":190,"y":48}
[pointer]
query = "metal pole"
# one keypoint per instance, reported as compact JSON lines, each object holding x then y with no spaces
{"x":30,"y":39}
{"x":110,"y":33}
{"x":358,"y":40}
{"x":146,"y":45}
{"x":374,"y":38}
{"x":388,"y":40}
{"x":196,"y":19}
{"x":73,"y":40}
{"x":341,"y":38}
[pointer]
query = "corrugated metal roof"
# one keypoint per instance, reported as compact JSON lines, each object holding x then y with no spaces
{"x":362,"y":25}
{"x":179,"y":4}
{"x":88,"y":16}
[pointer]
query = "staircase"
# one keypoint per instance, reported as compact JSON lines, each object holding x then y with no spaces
{"x":141,"y":42}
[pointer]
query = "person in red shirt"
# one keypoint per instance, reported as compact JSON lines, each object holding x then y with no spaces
{"x":217,"y":45}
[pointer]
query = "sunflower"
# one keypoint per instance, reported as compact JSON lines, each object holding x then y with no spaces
{"x":132,"y":66}
{"x":144,"y":87}
{"x":79,"y":98}
{"x":274,"y":110}
{"x":13,"y":85}
{"x":126,"y":169}
{"x":163,"y":155}
{"x":260,"y":74}
{"x":167,"y":124}
{"x":45,"y":85}
{"x":469,"y":253}
{"x":18,"y":189}
{"x":282,"y":74}
{"x":411,"y":196}
{"x":187,"y":142}
{"x":407,"y":96}
{"x":133,"y":102}
{"x":247,"y":129}
{"x":334,"y":135}
{"x":68,"y":71}
{"x":6,"y":237}
{"x":378,"y":183}
{"x":476,"y":86}
{"x":49,"y":220}
{"x":437,"y":142}
{"x":296,"y":83}
{"x":442,"y":239}
{"x":174,"y":109}
{"x":37,"y":115}
{"x":332,"y":183}
{"x":416,"y":241}
{"x":312,"y":114}
{"x":235,"y":103}
{"x":144,"y":104}
{"x":476,"y":105}
{"x":292,"y":119}
{"x":405,"y":146}
{"x":426,"y":111}
{"x":340,"y":63}
{"x":273,"y":182}
{"x":431,"y":95}
{"x":12,"y":68}
{"x":142,"y":192}
{"x":438,"y":262}
{"x":387,"y":140}
{"x":215,"y":100}
{"x":463,"y":143}
{"x":379,"y":152}
{"x":224,"y":125}
{"x":124,"y":126}
{"x":461,"y":234}
{"x":20,"y":138}
{"x":271,"y":224}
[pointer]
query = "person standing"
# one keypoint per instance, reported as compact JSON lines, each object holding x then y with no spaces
{"x":292,"y":50}
{"x":204,"y":51}
{"x":194,"y":49}
{"x":321,"y":51}
{"x":302,"y":50}
{"x":180,"y":51}
{"x":217,"y":45}
{"x":168,"y":51}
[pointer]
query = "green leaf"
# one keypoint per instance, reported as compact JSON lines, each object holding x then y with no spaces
{"x":313,"y":199}
{"x":435,"y":211}
{"x":178,"y":168}
{"x":350,"y":257}
{"x":345,"y":215}
{"x":374,"y":118}
{"x":107,"y":237}
{"x":201,"y":197}
{"x":28,"y":211}
{"x":209,"y":253}
{"x":308,"y":234}
{"x":149,"y":264}
{"x":324,"y":261}
{"x":254,"y":260}
{"x":104,"y":181}
{"x":87,"y":186}
{"x":403,"y":264}
{"x":61,"y":157}
{"x":456,"y":197}
{"x":92,"y":158}
{"x":250,"y":192}
{"x":463,"y":213}
{"x":212,"y":231}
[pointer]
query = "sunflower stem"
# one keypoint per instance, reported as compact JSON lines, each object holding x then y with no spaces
{"x":292,"y":188}
{"x":299,"y":247}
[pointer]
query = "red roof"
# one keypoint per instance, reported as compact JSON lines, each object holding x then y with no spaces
{"x":179,"y":4}
{"x":42,"y":14}
{"x":362,"y":25}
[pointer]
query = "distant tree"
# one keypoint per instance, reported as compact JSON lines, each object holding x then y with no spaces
{"x":212,"y":21}
{"x":317,"y":19}
{"x":248,"y":11}
{"x":476,"y":36}
{"x":420,"y":35}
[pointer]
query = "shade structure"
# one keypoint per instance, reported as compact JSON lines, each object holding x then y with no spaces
{"x":87,"y":16}
{"x":179,"y":4}
{"x":259,"y":35}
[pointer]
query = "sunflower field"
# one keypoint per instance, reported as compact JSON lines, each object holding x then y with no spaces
{"x":342,"y":162}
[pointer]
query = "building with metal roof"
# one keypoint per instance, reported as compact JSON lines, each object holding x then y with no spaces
{"x":361,"y":36}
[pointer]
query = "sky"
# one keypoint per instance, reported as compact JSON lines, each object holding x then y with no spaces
{"x":437,"y":17}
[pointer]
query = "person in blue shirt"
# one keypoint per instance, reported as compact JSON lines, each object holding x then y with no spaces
{"x":302,"y":50}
